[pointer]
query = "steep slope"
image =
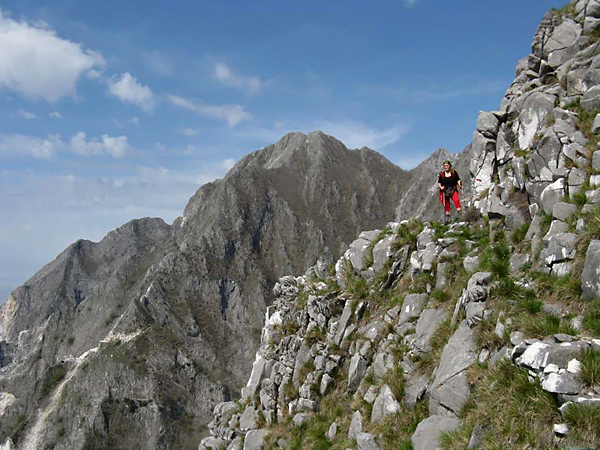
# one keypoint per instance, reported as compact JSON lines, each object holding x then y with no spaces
{"x":154,"y":324}
{"x":473,"y":335}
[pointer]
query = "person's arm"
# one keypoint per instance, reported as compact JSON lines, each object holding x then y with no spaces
{"x":458,"y":180}
{"x":440,"y":187}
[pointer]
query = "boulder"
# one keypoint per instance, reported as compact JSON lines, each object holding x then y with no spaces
{"x":450,"y":388}
{"x":596,"y":124}
{"x":249,"y":419}
{"x":440,"y":279}
{"x":562,"y":383}
{"x":427,"y":324}
{"x":355,"y":425}
{"x":533,"y":115}
{"x":517,"y":261}
{"x":596,"y":160}
{"x":255,"y":439}
{"x":416,"y":386}
{"x":564,"y":211}
{"x":358,"y":368}
{"x":471,"y":263}
{"x":412,"y":306}
{"x":552,"y":194}
{"x":366,"y":441}
{"x":332,"y":431}
{"x":559,"y":248}
{"x":343,"y":322}
{"x":561,"y":45}
{"x":590,"y":277}
{"x":300,"y":419}
{"x":255,"y":376}
{"x":591,"y":98}
{"x":357,"y":253}
{"x":487,"y":124}
{"x":428,"y":432}
{"x":382,"y":252}
{"x":385,"y":405}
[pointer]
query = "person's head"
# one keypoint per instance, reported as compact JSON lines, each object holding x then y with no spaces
{"x":447,"y":165}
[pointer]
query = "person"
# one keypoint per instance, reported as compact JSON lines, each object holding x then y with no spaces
{"x":448,"y":182}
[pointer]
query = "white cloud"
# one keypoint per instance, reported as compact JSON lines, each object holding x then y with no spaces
{"x":234,"y":114}
{"x":191,"y":132}
{"x":55,"y":115}
{"x":226,"y":76}
{"x":129,"y":90}
{"x":356,"y":135}
{"x":26,"y":114}
{"x":114,"y":146}
{"x":19,"y":145}
{"x":135,"y":120}
{"x":37,"y":63}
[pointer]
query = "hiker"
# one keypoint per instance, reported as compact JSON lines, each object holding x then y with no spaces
{"x":448,"y":182}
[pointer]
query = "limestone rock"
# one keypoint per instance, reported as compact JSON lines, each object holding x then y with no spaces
{"x":590,"y":277}
{"x":450,"y":389}
{"x":428,"y":432}
{"x":412,"y":306}
{"x":385,"y":404}
{"x":255,"y":439}
{"x":355,"y":425}
{"x":563,"y":211}
{"x":366,"y":441}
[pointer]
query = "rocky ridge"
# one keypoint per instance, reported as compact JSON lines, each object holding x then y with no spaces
{"x":483,"y":333}
{"x":129,"y":342}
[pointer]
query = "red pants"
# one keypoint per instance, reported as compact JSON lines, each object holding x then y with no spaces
{"x":446,"y":202}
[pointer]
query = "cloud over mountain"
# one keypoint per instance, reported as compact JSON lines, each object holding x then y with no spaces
{"x":37,"y":63}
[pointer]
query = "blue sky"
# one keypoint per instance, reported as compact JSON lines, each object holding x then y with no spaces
{"x":117,"y":110}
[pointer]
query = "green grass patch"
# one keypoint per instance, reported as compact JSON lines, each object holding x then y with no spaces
{"x":584,"y":422}
{"x":519,"y":233}
{"x":516,"y":413}
{"x":590,"y":367}
{"x":591,"y":318}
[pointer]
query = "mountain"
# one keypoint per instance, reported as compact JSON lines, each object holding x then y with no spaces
{"x":480,"y":334}
{"x":129,"y":342}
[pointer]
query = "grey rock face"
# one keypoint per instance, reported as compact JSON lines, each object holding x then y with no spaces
{"x":428,"y":432}
{"x":197,"y":289}
{"x":358,"y":368}
{"x":450,"y":389}
{"x":412,"y":306}
{"x":385,"y":405}
{"x":355,"y":425}
{"x":366,"y":441}
{"x":255,"y":439}
{"x":590,"y":277}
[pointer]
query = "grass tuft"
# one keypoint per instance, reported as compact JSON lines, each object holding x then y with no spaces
{"x":590,"y":367}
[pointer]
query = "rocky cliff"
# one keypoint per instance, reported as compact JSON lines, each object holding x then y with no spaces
{"x":482,"y":334}
{"x":129,"y":342}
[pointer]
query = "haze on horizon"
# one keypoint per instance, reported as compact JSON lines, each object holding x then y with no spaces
{"x":116,"y":111}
